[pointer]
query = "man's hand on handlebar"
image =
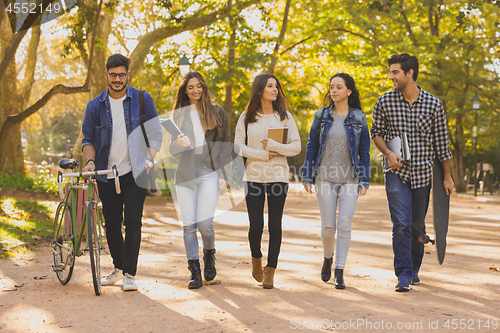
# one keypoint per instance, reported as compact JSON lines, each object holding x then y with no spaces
{"x":89,"y":167}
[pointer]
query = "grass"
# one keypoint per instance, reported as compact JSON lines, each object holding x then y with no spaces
{"x":23,"y":225}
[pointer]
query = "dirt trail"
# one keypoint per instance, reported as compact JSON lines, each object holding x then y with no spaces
{"x":463,"y":292}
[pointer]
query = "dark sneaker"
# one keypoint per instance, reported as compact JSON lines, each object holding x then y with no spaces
{"x":404,"y":284}
{"x":414,"y":279}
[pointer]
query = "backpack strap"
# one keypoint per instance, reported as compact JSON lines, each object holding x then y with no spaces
{"x":151,"y":179}
{"x":143,"y":116}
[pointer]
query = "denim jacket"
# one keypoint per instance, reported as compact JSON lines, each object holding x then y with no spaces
{"x":97,"y":129}
{"x":359,"y":144}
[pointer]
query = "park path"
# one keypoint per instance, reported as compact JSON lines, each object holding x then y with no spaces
{"x":463,"y":292}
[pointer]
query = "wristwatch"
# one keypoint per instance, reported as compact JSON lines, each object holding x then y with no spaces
{"x":149,"y":163}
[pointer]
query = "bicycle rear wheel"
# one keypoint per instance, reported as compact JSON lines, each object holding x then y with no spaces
{"x":63,"y":247}
{"x":94,"y":246}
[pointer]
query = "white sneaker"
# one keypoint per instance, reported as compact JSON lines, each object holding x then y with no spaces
{"x":113,"y":277}
{"x":129,"y":282}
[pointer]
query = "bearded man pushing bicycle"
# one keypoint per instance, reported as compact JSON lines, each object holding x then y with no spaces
{"x":114,"y":134}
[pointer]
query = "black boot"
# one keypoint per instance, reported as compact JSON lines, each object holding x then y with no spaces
{"x":209,"y":268}
{"x":326,"y":271}
{"x":194,"y":267}
{"x":339,"y":278}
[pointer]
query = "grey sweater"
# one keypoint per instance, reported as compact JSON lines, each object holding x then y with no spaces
{"x":336,"y":162}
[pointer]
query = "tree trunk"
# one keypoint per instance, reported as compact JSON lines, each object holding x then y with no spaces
{"x":97,"y":83}
{"x":228,"y":103}
{"x":457,"y":163}
{"x":11,"y":159}
{"x":274,"y":58}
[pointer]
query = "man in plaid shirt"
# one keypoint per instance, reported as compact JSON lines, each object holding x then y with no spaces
{"x":410,"y":110}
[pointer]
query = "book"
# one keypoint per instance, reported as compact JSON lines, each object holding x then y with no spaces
{"x":172,"y":128}
{"x":278,"y":134}
{"x":399,"y":146}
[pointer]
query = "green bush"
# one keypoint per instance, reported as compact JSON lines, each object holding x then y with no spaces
{"x":36,"y":184}
{"x":48,"y":184}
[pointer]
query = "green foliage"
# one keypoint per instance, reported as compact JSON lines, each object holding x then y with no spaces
{"x":456,"y":43}
{"x":35,"y":184}
{"x":15,"y":182}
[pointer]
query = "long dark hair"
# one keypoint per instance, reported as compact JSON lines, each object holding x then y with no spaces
{"x":353,"y":99}
{"x":208,"y":113}
{"x":254,"y":104}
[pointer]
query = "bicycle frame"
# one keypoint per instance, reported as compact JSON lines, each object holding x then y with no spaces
{"x":88,"y":186}
{"x":67,"y":244}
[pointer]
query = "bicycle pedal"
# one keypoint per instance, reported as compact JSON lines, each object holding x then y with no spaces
{"x":58,"y":268}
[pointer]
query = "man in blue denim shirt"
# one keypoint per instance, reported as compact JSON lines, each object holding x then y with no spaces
{"x":113,"y":136}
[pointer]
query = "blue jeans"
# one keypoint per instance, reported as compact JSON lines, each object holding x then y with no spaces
{"x":328,"y":195}
{"x":408,"y":209}
{"x":198,"y":208}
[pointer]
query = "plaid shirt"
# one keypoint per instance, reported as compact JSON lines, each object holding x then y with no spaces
{"x":424,"y":122}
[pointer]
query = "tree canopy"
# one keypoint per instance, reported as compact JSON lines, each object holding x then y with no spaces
{"x":230,"y":41}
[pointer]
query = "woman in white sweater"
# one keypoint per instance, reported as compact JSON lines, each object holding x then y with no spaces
{"x":266,"y":170}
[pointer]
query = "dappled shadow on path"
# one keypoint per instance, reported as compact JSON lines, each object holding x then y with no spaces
{"x":463,"y":287}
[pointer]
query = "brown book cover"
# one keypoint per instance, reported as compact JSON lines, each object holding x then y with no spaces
{"x":278,"y":134}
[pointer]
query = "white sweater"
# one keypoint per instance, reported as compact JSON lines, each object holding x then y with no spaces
{"x":259,"y":168}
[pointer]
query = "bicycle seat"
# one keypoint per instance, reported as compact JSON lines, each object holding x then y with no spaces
{"x":68,"y":164}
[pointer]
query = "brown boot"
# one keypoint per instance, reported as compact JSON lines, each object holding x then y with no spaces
{"x":257,"y":272}
{"x":268,"y":282}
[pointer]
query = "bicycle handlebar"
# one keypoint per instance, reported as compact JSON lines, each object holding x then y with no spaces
{"x":113,"y":171}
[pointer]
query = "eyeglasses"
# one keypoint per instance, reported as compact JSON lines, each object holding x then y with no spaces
{"x":114,"y":75}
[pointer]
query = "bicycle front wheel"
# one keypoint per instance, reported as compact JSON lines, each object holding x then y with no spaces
{"x":63,"y":246}
{"x":93,"y":241}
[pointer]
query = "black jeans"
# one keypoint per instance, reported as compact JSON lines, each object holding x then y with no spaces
{"x":125,"y":207}
{"x":255,"y":198}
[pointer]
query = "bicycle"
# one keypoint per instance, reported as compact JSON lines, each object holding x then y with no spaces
{"x":67,"y":238}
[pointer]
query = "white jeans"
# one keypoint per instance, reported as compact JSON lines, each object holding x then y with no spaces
{"x":328,"y":194}
{"x":198,"y":209}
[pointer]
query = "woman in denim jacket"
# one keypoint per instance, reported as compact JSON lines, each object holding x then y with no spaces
{"x":338,"y":162}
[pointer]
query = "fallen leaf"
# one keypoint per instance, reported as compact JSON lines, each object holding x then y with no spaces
{"x":36,"y":237}
{"x":19,"y":285}
{"x":40,"y":277}
{"x":427,"y":252}
{"x":493,"y":268}
{"x":29,"y":231}
{"x":211,"y":282}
